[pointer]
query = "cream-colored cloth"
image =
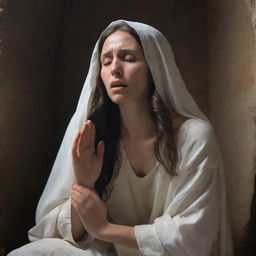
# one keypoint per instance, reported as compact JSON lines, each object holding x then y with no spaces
{"x":184,"y":216}
{"x":177,"y":216}
{"x":183,"y":213}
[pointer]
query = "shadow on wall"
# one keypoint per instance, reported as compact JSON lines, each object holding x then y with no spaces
{"x":232,"y":84}
{"x":248,"y":245}
{"x":47,"y":47}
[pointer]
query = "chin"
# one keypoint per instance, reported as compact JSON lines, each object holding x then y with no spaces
{"x":118,"y":99}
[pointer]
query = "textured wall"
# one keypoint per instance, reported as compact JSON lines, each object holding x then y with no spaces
{"x":46,"y":47}
{"x":2,"y":23}
{"x":183,"y":23}
{"x":29,"y":43}
{"x":47,"y":51}
{"x":232,"y":91}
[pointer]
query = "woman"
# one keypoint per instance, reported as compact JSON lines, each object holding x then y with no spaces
{"x":146,"y":149}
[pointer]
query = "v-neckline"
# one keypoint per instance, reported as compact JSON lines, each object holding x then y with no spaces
{"x":157,"y":162}
{"x":130,"y":165}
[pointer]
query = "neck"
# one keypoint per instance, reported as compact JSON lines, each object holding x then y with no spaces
{"x":137,"y":123}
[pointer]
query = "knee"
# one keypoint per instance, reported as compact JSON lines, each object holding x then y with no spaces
{"x":40,"y":247}
{"x":17,"y":252}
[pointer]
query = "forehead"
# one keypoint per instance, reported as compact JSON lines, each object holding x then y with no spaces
{"x":120,"y":40}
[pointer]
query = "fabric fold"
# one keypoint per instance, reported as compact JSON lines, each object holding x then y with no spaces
{"x":184,"y":208}
{"x":146,"y":235}
{"x":183,"y":229}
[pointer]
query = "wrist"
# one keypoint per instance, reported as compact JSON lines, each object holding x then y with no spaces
{"x":85,"y":183}
{"x":118,"y":234}
{"x":104,"y":233}
{"x":90,"y":184}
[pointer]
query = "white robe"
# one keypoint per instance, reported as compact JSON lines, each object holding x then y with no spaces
{"x":182,"y":220}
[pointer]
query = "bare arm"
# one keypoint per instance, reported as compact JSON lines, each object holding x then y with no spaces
{"x":76,"y":224}
{"x":87,"y":167}
{"x":93,"y":215}
{"x":88,"y":212}
{"x":119,"y":234}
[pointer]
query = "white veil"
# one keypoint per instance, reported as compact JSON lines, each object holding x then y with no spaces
{"x":169,"y":86}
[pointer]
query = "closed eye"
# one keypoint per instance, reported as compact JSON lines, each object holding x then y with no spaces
{"x":106,"y":62}
{"x":129,"y":58}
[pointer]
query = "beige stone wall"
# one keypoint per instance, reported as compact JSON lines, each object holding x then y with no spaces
{"x":47,"y":51}
{"x":232,"y":99}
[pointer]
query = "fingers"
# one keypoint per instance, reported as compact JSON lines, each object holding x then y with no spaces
{"x":82,"y":196}
{"x":100,"y":150}
{"x":75,"y":145}
{"x":82,"y":189}
{"x":79,"y":188}
{"x":76,"y":195}
{"x":83,"y":141}
{"x":74,"y":203}
{"x":87,"y":138}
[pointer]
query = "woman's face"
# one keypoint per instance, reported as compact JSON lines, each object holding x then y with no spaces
{"x":124,"y":70}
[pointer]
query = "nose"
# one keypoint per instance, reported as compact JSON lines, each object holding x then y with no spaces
{"x":116,"y":68}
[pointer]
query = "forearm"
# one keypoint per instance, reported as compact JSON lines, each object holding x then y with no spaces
{"x":119,"y":234}
{"x":76,"y":225}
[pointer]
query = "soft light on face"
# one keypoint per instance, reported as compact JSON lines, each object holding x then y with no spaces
{"x":124,"y":70}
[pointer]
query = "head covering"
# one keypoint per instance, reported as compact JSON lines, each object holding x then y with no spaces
{"x":168,"y":83}
{"x":170,"y":87}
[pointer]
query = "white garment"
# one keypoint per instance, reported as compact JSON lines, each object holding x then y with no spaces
{"x":185,"y":215}
{"x":181,"y":215}
{"x":53,"y":247}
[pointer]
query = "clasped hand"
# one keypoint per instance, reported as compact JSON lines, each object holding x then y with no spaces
{"x":87,"y":165}
{"x":91,"y":210}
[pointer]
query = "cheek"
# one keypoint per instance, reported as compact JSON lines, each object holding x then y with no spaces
{"x":103,"y":76}
{"x":142,"y":76}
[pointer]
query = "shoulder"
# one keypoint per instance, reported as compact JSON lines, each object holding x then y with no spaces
{"x":192,"y":126}
{"x":196,"y":130}
{"x":196,"y":135}
{"x":197,"y":144}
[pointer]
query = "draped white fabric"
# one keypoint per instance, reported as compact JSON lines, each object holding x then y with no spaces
{"x":174,"y":231}
{"x":185,"y":212}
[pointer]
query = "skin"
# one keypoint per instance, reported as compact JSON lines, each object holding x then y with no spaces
{"x":122,"y":60}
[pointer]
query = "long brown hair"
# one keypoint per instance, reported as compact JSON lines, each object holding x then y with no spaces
{"x":106,"y":117}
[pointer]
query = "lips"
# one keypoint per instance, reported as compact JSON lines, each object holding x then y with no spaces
{"x":117,"y":83}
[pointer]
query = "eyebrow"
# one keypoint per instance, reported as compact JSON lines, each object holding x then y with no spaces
{"x":122,"y":51}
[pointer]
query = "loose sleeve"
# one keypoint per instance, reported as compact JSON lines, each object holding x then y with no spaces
{"x":190,"y":223}
{"x":57,"y":224}
{"x":53,"y":214}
